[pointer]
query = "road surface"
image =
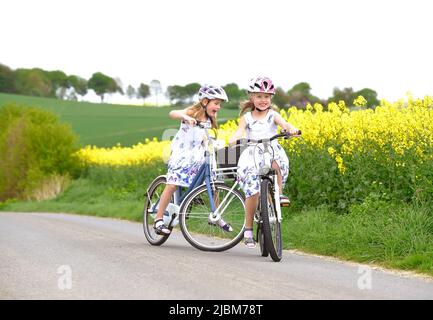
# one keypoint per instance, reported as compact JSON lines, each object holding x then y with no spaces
{"x":64,"y":256}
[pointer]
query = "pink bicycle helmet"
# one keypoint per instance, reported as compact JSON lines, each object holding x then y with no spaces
{"x":261,"y":84}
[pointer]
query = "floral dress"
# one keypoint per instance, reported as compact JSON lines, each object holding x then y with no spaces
{"x":251,"y":160}
{"x":187,"y":155}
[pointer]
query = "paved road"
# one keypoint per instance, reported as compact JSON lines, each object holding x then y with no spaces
{"x":62,"y":256}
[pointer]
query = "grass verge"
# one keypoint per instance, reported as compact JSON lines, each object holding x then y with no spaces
{"x":393,"y":235}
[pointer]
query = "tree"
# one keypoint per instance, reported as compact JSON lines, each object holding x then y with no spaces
{"x":78,"y":84}
{"x":176,"y":94}
{"x":7,"y":78}
{"x":234,"y":93}
{"x":143,"y":91}
{"x":102,"y":84}
{"x":281,"y":98}
{"x":59,"y":83}
{"x":119,"y":85}
{"x":32,"y":82}
{"x":130,"y":92}
{"x":370,"y":95}
{"x":300,"y":95}
{"x":191,"y":90}
{"x":348,"y":96}
{"x":155,"y":89}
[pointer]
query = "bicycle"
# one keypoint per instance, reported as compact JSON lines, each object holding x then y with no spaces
{"x":199,"y":209}
{"x":268,"y":215}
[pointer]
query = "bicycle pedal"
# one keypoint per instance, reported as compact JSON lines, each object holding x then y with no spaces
{"x":285,"y":205}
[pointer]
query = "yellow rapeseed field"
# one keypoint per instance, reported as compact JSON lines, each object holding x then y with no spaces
{"x":390,"y":129}
{"x":141,"y":153}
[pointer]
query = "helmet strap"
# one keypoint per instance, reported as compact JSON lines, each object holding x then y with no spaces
{"x":204,"y":106}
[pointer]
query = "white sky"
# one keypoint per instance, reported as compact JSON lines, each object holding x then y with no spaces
{"x":385,"y":45}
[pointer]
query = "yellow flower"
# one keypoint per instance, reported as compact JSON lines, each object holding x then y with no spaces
{"x":393,"y":131}
{"x":360,"y":101}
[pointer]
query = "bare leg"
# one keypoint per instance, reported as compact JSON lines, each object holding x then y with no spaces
{"x":276,"y":167}
{"x":250,"y":208}
{"x":166,"y":195}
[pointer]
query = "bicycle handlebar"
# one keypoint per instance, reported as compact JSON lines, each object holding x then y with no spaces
{"x":284,"y":135}
{"x":201,"y":124}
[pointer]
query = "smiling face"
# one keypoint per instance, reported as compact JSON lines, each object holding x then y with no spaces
{"x":261,"y":101}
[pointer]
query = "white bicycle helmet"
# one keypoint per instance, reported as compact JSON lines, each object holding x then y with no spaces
{"x":261,"y":85}
{"x":212,"y":92}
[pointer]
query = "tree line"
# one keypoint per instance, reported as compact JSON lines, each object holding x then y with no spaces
{"x":57,"y":84}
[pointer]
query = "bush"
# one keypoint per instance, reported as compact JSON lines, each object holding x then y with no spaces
{"x":35,"y":151}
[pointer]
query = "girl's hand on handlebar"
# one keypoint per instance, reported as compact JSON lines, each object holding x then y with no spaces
{"x":292,"y":131}
{"x":189,"y":120}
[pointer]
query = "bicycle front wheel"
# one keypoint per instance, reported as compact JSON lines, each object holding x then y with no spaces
{"x":271,"y":227}
{"x":150,"y":209}
{"x":198,"y":226}
{"x":261,"y":240}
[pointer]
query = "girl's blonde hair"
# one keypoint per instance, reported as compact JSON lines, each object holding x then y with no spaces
{"x":248,"y":105}
{"x":197,"y":111}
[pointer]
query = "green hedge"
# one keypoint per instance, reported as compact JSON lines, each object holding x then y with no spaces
{"x":34,"y":150}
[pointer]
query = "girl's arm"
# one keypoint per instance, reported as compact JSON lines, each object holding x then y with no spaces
{"x":239,"y":132}
{"x":284,"y":124}
{"x":181,"y":115}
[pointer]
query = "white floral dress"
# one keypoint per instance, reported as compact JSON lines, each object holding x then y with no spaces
{"x":251,"y":160}
{"x":187,"y":155}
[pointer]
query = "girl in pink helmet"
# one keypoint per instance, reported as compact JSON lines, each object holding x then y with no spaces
{"x":187,"y":151}
{"x":259,"y":120}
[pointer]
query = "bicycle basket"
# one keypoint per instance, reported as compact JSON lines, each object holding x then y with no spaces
{"x":227,"y":158}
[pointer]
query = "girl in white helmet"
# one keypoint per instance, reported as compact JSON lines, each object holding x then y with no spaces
{"x":259,"y":120}
{"x":187,"y":154}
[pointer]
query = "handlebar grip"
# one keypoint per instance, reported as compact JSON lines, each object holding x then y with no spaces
{"x":298,"y":133}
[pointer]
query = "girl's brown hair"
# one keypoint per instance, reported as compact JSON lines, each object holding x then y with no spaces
{"x":197,"y":111}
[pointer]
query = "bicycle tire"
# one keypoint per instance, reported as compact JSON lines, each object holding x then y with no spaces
{"x":202,"y":234}
{"x":261,"y":240}
{"x":149,"y":213}
{"x":271,"y":227}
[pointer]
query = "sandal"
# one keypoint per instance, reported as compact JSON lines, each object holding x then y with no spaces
{"x":160,"y":228}
{"x":249,"y":243}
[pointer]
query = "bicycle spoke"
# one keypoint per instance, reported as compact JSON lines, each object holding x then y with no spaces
{"x":202,"y":228}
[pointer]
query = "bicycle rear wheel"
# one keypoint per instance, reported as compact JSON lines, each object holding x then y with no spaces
{"x":150,"y":209}
{"x":197,"y":225}
{"x":271,"y":227}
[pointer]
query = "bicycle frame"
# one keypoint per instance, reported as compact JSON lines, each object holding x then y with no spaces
{"x":268,"y":172}
{"x":203,"y":176}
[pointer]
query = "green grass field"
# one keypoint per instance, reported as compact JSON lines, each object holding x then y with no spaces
{"x":105,"y":125}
